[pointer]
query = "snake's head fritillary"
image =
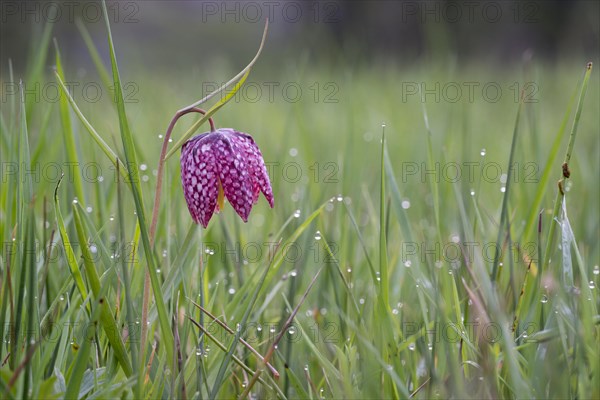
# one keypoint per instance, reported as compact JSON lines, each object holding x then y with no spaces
{"x":223,"y":164}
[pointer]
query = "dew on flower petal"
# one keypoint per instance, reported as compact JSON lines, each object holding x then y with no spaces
{"x":405,"y":204}
{"x":318,"y":235}
{"x":482,"y":152}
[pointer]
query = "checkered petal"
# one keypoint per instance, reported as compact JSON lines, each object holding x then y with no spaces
{"x":228,"y":160}
{"x":200,"y":177}
{"x":234,"y":174}
{"x":258,"y":171}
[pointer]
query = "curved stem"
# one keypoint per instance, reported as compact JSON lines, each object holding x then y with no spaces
{"x":161,"y":164}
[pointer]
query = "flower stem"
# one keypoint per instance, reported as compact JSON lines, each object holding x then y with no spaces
{"x":161,"y":165}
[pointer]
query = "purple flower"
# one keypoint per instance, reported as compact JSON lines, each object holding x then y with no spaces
{"x":223,"y":163}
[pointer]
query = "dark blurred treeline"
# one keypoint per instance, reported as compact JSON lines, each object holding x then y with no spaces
{"x":174,"y":33}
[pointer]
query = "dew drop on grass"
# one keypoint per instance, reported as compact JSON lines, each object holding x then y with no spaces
{"x":297,"y":214}
{"x":293,"y":152}
{"x":291,"y":331}
{"x":407,"y":263}
{"x":75,"y":201}
{"x":361,"y":300}
{"x":158,"y":270}
{"x":596,"y":270}
{"x":395,"y":311}
{"x":592,"y":285}
{"x":482,"y":152}
{"x":259,"y":328}
{"x":143,"y":167}
{"x":544,"y":299}
{"x":405,"y":204}
{"x":160,"y":136}
{"x":411,"y":347}
{"x":503,"y":189}
{"x":89,"y":209}
{"x":62,"y":298}
{"x":400,"y":304}
{"x":323,"y":311}
{"x":472,"y":192}
{"x":100,"y":178}
{"x":170,"y":140}
{"x":318,"y":235}
{"x":145,"y":178}
{"x":272,"y":329}
{"x":293,"y":273}
{"x":349,"y":270}
{"x":339,"y":198}
{"x":112,"y":218}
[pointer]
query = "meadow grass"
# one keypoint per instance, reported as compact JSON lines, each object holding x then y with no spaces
{"x":380,"y":273}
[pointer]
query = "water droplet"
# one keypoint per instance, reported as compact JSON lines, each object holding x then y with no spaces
{"x":405,"y":204}
{"x":293,"y":152}
{"x":323,"y":311}
{"x":231,"y":291}
{"x":361,"y":300}
{"x":62,"y":298}
{"x":158,"y":270}
{"x":503,"y":178}
{"x":143,"y":167}
{"x":411,"y":347}
{"x":100,"y":178}
{"x":198,"y":352}
{"x":293,"y":273}
{"x":160,"y":136}
{"x":438,"y":264}
{"x":503,"y":189}
{"x":592,"y":285}
{"x":164,"y":253}
{"x":318,"y":235}
{"x":145,"y":178}
{"x":339,"y":198}
{"x":395,"y":311}
{"x":482,"y":152}
{"x":93,"y":249}
{"x":170,"y":140}
{"x":544,"y":299}
{"x":75,"y":201}
{"x":272,"y":329}
{"x":291,"y":331}
{"x":472,"y":192}
{"x":259,"y":328}
{"x":297,"y":214}
{"x":349,"y":270}
{"x":596,"y":270}
{"x":111,"y":218}
{"x":306,"y":367}
{"x":407,"y":263}
{"x":89,"y":209}
{"x":400,"y":304}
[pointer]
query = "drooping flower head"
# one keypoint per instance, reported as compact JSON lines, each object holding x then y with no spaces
{"x":223,"y":164}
